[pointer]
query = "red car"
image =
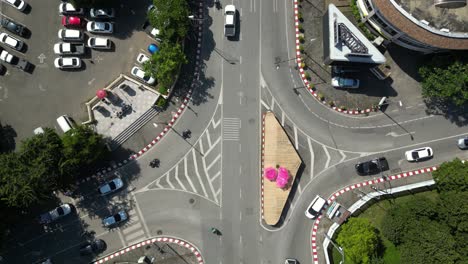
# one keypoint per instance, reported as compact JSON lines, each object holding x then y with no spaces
{"x":71,"y":21}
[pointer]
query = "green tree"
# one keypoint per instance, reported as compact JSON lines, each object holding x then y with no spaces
{"x":7,"y":138}
{"x":171,"y":18}
{"x":452,"y":176}
{"x":164,"y":64}
{"x":445,"y":81}
{"x":359,"y":240}
{"x":82,"y":148}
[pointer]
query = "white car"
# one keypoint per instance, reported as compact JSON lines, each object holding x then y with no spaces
{"x":61,"y":211}
{"x":69,"y":9}
{"x":11,"y":41}
{"x":99,"y":43}
{"x":18,"y":4}
{"x":111,"y":186}
{"x":102,"y":13}
{"x":69,"y":49}
{"x":72,"y":35}
{"x":6,"y":57}
{"x":315,"y":207}
{"x":418,"y":154}
{"x":140,"y":74}
{"x":229,"y":21}
{"x":462,"y":143}
{"x":100,"y":27}
{"x":142,"y":58}
{"x":341,"y":82}
{"x":67,"y":63}
{"x":115,"y":219}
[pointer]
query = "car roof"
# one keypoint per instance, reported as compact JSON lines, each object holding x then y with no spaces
{"x":230,"y":8}
{"x":100,"y":41}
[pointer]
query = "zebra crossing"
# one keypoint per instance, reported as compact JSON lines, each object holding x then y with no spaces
{"x":133,"y":230}
{"x":199,"y":171}
{"x":231,"y":127}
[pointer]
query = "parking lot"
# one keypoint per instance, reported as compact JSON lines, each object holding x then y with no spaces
{"x":30,"y":100}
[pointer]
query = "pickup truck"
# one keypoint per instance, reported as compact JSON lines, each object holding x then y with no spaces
{"x":230,"y":21}
{"x":69,"y":49}
{"x":153,"y":32}
{"x":19,"y":63}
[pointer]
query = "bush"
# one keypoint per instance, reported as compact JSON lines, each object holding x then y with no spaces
{"x":163,"y":89}
{"x":301,"y":29}
{"x":299,"y":16}
{"x":307,"y":76}
{"x":321,"y":97}
{"x":161,"y":102}
{"x":301,"y":48}
{"x":301,"y":39}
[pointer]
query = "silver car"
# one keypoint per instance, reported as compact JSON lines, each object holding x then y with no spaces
{"x":111,"y":186}
{"x":100,"y":27}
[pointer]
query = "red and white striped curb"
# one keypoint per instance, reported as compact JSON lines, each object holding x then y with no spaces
{"x":359,"y":185}
{"x":177,"y":241}
{"x":306,"y":82}
{"x":262,"y":159}
{"x":179,"y":112}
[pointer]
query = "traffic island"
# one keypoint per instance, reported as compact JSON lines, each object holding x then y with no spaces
{"x":156,"y":250}
{"x":278,"y":156}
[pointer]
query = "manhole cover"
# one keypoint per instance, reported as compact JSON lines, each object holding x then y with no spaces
{"x":251,"y":121}
{"x":159,"y":232}
{"x":191,"y":201}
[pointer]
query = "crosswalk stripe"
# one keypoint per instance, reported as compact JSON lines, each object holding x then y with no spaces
{"x":131,"y":228}
{"x":132,"y":236}
{"x":231,"y":128}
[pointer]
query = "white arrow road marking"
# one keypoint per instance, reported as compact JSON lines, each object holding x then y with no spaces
{"x":41,"y":58}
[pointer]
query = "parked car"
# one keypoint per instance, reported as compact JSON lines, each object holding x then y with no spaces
{"x":229,"y":21}
{"x":92,"y":247}
{"x":67,"y":63}
{"x":111,"y":186}
{"x":18,"y":4}
{"x":11,"y":42}
{"x":72,"y":21}
{"x":140,"y":74}
{"x":71,"y":35}
{"x":55,"y":214}
{"x":13,"y":27}
{"x":341,"y":82}
{"x":463,"y":143}
{"x":115,"y":219}
{"x":100,"y":27}
{"x":69,"y":49}
{"x":6,"y":56}
{"x":102,"y":13}
{"x":315,"y":207}
{"x":373,"y":166}
{"x":99,"y":43}
{"x":151,"y":8}
{"x":142,"y":58}
{"x":343,"y":70}
{"x":151,"y":31}
{"x":69,"y":9}
{"x":419,"y":154}
{"x":290,"y":261}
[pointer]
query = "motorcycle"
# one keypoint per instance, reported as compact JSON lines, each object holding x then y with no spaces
{"x":154,"y":163}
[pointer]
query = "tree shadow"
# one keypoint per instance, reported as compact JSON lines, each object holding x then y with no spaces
{"x":7,"y":138}
{"x":458,"y":115}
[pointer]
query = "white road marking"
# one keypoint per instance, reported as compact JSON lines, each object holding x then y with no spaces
{"x":208,"y":177}
{"x":216,"y":176}
{"x":201,"y":145}
{"x":131,"y":228}
{"x":213,"y":162}
{"x":159,"y":185}
{"x":328,"y":156}
{"x":213,"y":146}
{"x":272,"y":104}
{"x":188,"y":177}
{"x":240,"y":193}
{"x":208,"y":138}
{"x":240,"y":78}
{"x":198,"y":174}
{"x":177,"y":178}
{"x":169,"y":181}
{"x":343,"y":156}
{"x":299,"y":188}
{"x":312,"y":157}
{"x":394,"y":134}
{"x":264,"y":105}
{"x":91,"y":81}
{"x":296,"y":143}
{"x":132,"y":236}
{"x":282,"y":118}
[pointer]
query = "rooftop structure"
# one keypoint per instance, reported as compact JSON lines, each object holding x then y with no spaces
{"x":424,"y":26}
{"x":344,"y":43}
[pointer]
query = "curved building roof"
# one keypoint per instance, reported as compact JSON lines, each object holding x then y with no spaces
{"x":417,"y":32}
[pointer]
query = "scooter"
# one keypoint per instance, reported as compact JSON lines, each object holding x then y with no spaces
{"x":154,"y":163}
{"x":217,"y":4}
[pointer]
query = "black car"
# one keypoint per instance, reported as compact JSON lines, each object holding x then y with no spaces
{"x":93,"y":247}
{"x":372,"y":166}
{"x":13,"y":27}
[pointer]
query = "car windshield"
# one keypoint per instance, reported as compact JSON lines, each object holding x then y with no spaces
{"x":60,"y":211}
{"x":415,"y":155}
{"x":112,"y":185}
{"x":117,"y":217}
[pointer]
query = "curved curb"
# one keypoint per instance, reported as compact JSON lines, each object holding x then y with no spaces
{"x":177,"y":241}
{"x":170,"y":124}
{"x":352,"y":187}
{"x":306,"y":82}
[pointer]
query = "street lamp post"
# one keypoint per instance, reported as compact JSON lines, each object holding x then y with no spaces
{"x":340,"y":249}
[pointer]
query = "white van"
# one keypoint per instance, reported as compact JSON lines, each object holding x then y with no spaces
{"x":65,"y":123}
{"x":315,"y":207}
